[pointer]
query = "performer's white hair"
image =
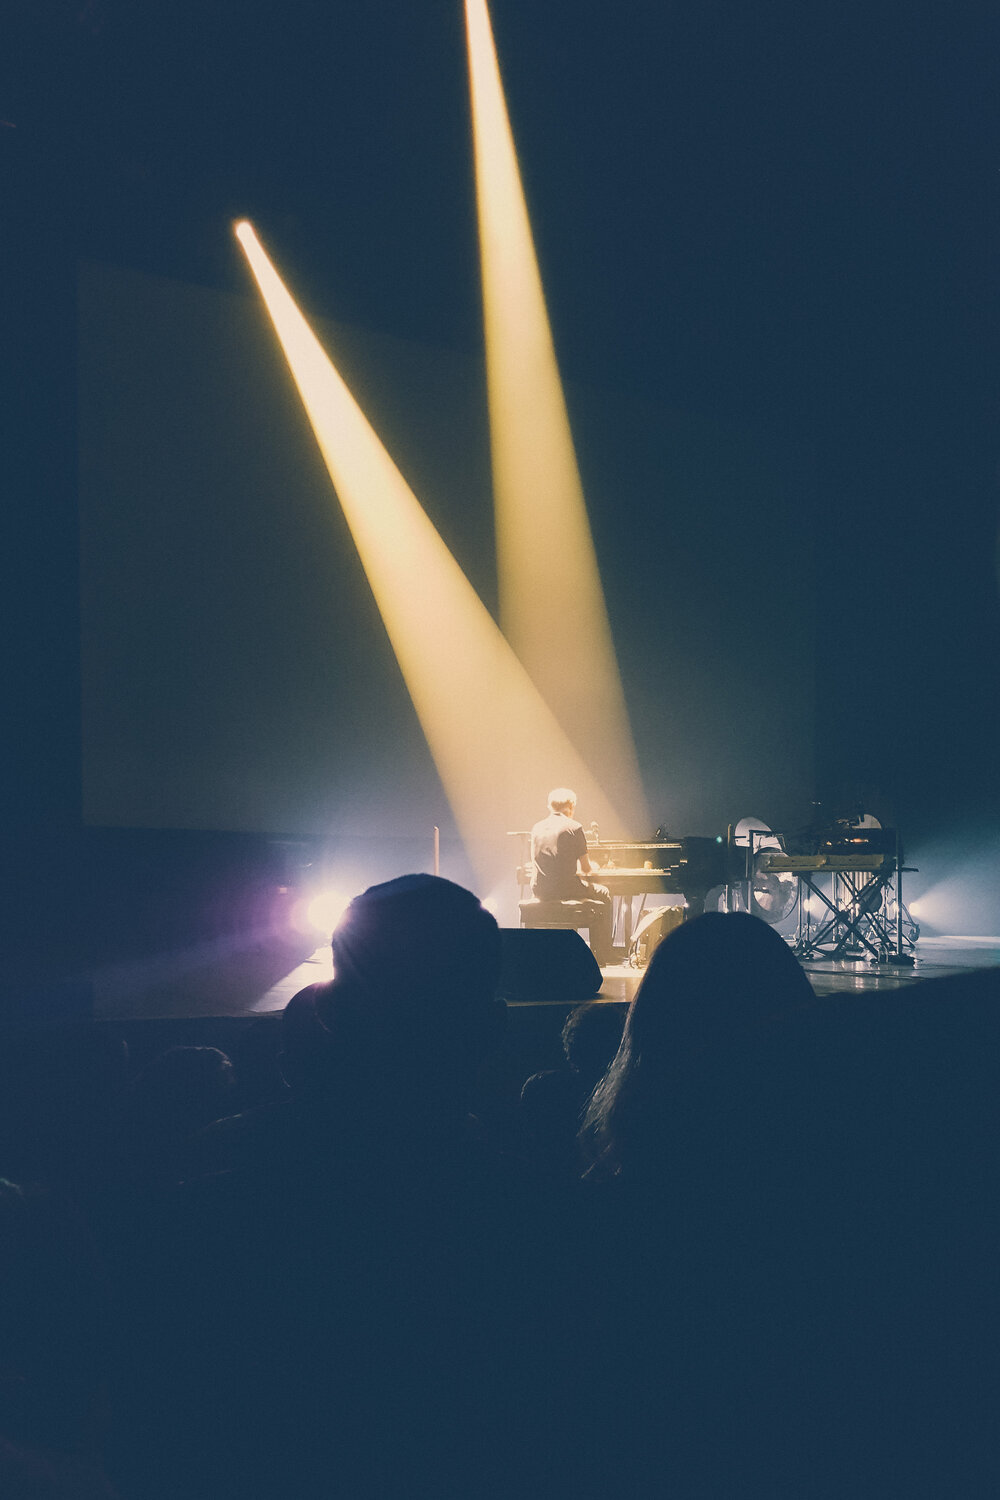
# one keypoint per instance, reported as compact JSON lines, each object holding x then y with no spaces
{"x":562,"y":799}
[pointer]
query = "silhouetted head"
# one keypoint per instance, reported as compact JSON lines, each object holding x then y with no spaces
{"x":416,"y":964}
{"x":179,"y":1092}
{"x":718,"y":973}
{"x":708,"y":981}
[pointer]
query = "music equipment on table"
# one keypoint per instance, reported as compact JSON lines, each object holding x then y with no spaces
{"x":777,"y":864}
{"x":797,"y":864}
{"x":850,"y":901}
{"x":838,"y":837}
{"x":858,"y":841}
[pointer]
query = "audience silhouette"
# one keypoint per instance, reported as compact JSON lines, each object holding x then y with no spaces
{"x":740,"y":1244}
{"x":56,"y":1348}
{"x":552,"y":1102}
{"x":713,"y":980}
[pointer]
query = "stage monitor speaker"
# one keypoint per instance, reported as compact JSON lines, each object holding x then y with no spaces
{"x":547,"y":963}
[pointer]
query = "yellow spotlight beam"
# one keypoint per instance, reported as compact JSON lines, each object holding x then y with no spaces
{"x":552,"y":607}
{"x":497,"y":747}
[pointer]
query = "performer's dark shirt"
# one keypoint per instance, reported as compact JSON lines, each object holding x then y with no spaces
{"x":557,"y":842}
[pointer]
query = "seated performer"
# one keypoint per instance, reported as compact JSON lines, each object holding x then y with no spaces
{"x":559,"y":855}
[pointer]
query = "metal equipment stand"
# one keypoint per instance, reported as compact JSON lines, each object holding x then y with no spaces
{"x":856,"y":922}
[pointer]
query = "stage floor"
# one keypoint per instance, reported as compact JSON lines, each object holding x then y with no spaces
{"x":249,"y":979}
{"x":935,"y":958}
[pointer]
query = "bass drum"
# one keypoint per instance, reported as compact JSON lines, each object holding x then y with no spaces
{"x":772,"y":894}
{"x":652,"y":927}
{"x":768,"y":894}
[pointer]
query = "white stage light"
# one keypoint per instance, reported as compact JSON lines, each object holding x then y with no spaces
{"x":325,"y":910}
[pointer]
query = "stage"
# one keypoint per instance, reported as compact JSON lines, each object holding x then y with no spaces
{"x":254,"y":978}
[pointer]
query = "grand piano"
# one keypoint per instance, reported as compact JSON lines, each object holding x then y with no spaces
{"x":688,"y":867}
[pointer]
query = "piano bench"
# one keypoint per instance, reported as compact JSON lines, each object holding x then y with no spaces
{"x":574,"y":914}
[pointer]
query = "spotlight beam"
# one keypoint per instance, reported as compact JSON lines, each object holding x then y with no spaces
{"x":496,"y":745}
{"x":552,"y":606}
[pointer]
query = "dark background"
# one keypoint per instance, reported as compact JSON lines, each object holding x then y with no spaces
{"x":778,"y":221}
{"x":235,"y":671}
